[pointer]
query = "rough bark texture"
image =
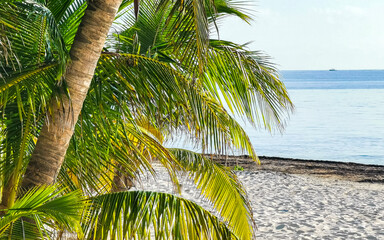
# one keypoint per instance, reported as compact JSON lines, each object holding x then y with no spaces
{"x":54,"y":138}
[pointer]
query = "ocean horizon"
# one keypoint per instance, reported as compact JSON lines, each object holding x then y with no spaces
{"x":339,"y":116}
{"x":331,"y":69}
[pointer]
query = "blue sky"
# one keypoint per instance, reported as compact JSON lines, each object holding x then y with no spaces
{"x":314,"y":34}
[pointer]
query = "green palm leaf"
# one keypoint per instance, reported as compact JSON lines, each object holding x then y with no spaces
{"x":140,"y":215}
{"x":93,"y":159}
{"x":39,"y":73}
{"x":41,"y":204}
{"x":248,"y":83}
{"x":236,"y":8}
{"x":188,"y":30}
{"x":222,"y":188}
{"x":35,"y":28}
{"x":161,"y":89}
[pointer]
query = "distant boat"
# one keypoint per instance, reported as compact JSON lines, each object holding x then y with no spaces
{"x":332,"y":69}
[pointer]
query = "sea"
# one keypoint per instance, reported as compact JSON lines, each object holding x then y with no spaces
{"x":339,"y":116}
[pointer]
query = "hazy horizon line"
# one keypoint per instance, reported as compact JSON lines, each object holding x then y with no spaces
{"x":333,"y":69}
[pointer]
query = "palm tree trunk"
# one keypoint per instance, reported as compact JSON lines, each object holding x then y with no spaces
{"x":55,"y":135}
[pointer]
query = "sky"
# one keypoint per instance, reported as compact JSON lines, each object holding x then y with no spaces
{"x":314,"y":34}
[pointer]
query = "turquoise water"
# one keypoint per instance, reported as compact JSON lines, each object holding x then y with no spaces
{"x":339,"y":116}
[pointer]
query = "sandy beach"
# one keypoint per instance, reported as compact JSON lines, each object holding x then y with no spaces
{"x":305,"y":205}
{"x":290,"y":206}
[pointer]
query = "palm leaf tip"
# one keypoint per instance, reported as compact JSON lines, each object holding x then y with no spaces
{"x":223,"y":189}
{"x":159,"y":215}
{"x":44,"y":202}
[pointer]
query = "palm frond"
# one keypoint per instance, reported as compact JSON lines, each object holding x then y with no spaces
{"x":104,"y":139}
{"x":222,"y":188}
{"x":58,"y":8}
{"x":35,"y":73}
{"x":71,"y":19}
{"x":140,"y":215}
{"x":188,"y":30}
{"x":236,"y":8}
{"x":35,"y":28}
{"x":169,"y":98}
{"x":45,"y":203}
{"x":248,"y":83}
{"x":24,"y":102}
{"x":15,"y":150}
{"x":22,"y":229}
{"x":139,"y":35}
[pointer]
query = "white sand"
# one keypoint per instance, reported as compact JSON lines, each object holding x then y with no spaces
{"x":302,"y":207}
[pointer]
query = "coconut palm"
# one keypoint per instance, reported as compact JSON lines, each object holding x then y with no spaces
{"x":156,"y":76}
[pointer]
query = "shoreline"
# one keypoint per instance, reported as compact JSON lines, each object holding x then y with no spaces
{"x":349,"y":171}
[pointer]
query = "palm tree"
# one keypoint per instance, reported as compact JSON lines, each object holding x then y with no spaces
{"x":159,"y":75}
